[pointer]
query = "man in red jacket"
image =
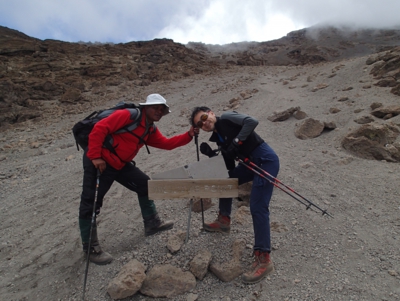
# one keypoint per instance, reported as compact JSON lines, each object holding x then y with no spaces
{"x":117,"y":165}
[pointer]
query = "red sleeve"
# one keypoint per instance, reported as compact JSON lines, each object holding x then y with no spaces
{"x":108,"y":125}
{"x":158,"y":140}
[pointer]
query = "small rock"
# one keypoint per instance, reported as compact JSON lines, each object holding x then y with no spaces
{"x":348,"y":89}
{"x":199,"y":264}
{"x":393,"y":273}
{"x":35,"y":144}
{"x":176,"y":241}
{"x":192,"y":297}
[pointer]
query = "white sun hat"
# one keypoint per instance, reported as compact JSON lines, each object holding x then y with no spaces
{"x":156,"y":99}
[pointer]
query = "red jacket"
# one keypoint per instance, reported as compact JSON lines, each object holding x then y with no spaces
{"x":127,"y":145}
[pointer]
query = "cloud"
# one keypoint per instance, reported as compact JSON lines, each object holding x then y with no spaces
{"x":218,"y":31}
{"x":225,"y":21}
{"x":208,"y":21}
{"x":359,"y":13}
{"x":88,"y":20}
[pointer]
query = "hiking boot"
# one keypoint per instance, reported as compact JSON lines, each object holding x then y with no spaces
{"x":261,"y":267}
{"x":221,"y":224}
{"x":153,"y":224}
{"x":96,"y":254}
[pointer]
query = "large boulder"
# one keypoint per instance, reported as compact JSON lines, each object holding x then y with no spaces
{"x":387,"y":69}
{"x":167,"y":281}
{"x":311,"y":128}
{"x":284,"y":115}
{"x":374,"y":141}
{"x":386,"y":112}
{"x":229,"y":270}
{"x":128,"y":281}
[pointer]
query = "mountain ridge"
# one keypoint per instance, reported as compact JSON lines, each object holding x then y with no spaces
{"x":35,"y":74}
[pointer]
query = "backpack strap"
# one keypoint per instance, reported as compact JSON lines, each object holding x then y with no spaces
{"x":130,"y":127}
{"x":136,"y":114}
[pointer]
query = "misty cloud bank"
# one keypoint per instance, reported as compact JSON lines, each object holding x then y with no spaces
{"x":207,"y":21}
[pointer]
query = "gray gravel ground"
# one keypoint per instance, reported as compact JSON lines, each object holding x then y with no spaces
{"x":354,"y":256}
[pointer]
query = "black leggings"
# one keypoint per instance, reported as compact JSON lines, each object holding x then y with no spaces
{"x":129,"y":176}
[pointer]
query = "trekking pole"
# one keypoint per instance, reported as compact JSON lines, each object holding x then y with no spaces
{"x":196,"y":140}
{"x":273,"y":180}
{"x":189,"y":218}
{"x":286,"y":186}
{"x":91,"y":230}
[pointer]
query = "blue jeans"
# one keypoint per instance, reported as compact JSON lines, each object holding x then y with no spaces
{"x":261,"y":193}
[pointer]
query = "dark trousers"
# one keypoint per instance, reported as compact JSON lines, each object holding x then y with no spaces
{"x":129,"y":176}
{"x":261,"y":193}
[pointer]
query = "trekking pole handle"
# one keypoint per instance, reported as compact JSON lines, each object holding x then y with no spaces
{"x":196,"y":141}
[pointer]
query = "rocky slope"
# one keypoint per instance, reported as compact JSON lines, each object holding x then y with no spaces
{"x":41,"y":78}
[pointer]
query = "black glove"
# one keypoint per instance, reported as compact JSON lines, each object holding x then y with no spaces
{"x":233,"y":150}
{"x":205,"y":149}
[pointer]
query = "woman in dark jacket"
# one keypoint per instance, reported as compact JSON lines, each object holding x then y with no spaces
{"x":235,"y":136}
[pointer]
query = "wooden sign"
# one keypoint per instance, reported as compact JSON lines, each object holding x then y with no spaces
{"x":193,"y":188}
{"x":211,"y":168}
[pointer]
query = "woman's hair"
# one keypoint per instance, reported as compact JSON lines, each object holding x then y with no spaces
{"x":197,"y":110}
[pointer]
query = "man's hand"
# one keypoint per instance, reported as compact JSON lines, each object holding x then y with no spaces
{"x":233,"y":150}
{"x":205,"y":149}
{"x":100,"y":164}
{"x":193,"y":131}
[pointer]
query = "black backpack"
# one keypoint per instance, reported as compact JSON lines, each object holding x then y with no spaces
{"x":82,"y":129}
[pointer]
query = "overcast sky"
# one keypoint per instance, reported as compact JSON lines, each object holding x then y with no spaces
{"x":207,"y":21}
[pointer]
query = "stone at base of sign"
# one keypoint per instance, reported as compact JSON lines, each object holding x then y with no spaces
{"x":196,"y":206}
